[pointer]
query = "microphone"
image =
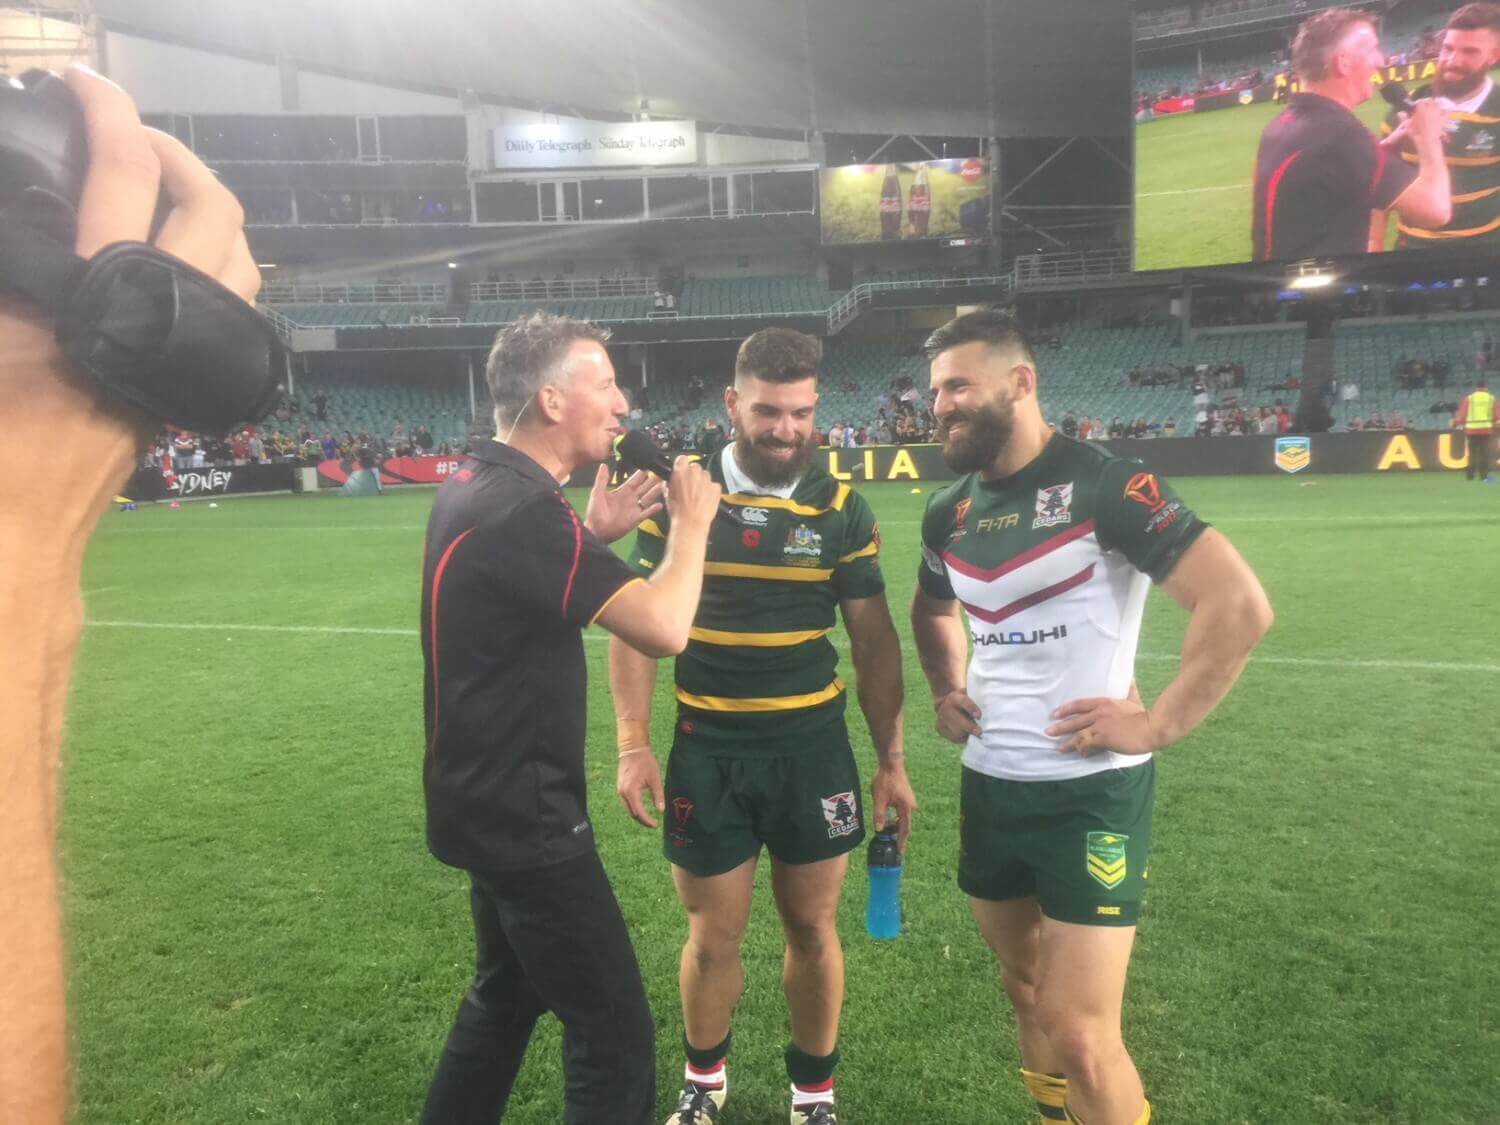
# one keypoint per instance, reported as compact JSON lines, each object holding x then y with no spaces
{"x":637,"y":452}
{"x":1396,"y":96}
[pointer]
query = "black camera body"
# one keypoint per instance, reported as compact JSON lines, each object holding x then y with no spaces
{"x":155,"y":335}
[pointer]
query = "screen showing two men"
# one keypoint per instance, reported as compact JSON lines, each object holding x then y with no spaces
{"x":1315,"y":145}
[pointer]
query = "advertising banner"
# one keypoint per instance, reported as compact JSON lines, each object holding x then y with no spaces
{"x":574,"y":143}
{"x":148,"y":484}
{"x":394,"y":470}
{"x":905,"y":202}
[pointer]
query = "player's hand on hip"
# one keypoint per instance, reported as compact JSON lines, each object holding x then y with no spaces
{"x":616,"y":512}
{"x":638,"y":771}
{"x":958,"y":717}
{"x":1091,"y":726}
{"x":890,"y":789}
{"x":692,"y":495}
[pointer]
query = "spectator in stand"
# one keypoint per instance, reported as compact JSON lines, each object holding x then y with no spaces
{"x":836,"y":435}
{"x":239,"y":448}
{"x":1085,"y":427}
{"x":1069,"y":425}
{"x":1116,"y":428}
{"x":330,"y":447}
{"x":884,"y":435}
{"x":1398,"y":420}
{"x":255,"y":448}
{"x":1356,"y":424}
{"x":1376,"y":422}
{"x":1169,"y":427}
{"x":320,"y":406}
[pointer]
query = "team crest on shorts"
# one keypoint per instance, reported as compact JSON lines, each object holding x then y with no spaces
{"x":839,"y":812}
{"x":1106,"y":858}
{"x":1054,"y":505}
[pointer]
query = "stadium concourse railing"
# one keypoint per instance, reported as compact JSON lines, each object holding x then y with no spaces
{"x":1260,"y":13}
{"x":436,"y":293}
{"x":1034,"y":272}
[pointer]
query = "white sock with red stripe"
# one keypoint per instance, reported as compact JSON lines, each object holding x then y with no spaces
{"x":711,"y":1078}
{"x":812,"y":1093}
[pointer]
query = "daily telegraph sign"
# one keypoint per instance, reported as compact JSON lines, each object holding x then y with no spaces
{"x":596,"y":144}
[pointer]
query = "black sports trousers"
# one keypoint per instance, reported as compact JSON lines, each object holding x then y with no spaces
{"x":549,"y":939}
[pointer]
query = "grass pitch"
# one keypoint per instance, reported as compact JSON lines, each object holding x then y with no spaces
{"x":257,"y":933}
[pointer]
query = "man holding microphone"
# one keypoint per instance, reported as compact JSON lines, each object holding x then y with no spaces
{"x":511,"y":578}
{"x":1322,"y":182}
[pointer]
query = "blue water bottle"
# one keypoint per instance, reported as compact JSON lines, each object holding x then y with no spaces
{"x":883,"y":917}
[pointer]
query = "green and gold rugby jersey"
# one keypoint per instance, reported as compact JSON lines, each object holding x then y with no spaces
{"x":1472,"y":151}
{"x":759,"y":674}
{"x":1052,"y":566}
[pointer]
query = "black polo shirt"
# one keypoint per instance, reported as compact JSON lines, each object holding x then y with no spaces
{"x":1318,"y":175}
{"x":511,"y":577}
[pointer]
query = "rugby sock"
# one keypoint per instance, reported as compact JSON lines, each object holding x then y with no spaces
{"x":1049,"y":1091}
{"x":706,"y":1069}
{"x":1143,"y":1119}
{"x":812,"y":1076}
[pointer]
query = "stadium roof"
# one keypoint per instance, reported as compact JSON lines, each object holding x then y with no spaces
{"x":953,"y":67}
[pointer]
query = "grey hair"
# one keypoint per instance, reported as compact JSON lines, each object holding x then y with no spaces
{"x":525,"y":356}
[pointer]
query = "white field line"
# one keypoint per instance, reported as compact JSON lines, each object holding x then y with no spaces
{"x":1192,"y":190}
{"x":597,"y":636}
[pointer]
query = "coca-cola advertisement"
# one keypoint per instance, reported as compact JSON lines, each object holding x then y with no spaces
{"x":906,"y":202}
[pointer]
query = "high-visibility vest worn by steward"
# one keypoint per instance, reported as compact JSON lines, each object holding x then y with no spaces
{"x":1479,"y":413}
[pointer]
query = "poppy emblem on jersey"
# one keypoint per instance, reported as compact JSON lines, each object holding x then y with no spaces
{"x":1144,"y":489}
{"x":1293,"y":454}
{"x":839,"y":812}
{"x":750,"y":537}
{"x":1054,"y":506}
{"x":682,"y":811}
{"x":961,"y":513}
{"x":1106,"y":858}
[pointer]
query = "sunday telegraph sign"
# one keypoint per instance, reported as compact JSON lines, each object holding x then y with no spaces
{"x":596,"y":144}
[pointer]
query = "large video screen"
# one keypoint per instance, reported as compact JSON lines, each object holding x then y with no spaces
{"x":1241,"y":158}
{"x":905,"y":202}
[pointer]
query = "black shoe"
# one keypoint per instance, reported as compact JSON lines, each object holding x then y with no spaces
{"x":818,"y":1113}
{"x":697,"y":1106}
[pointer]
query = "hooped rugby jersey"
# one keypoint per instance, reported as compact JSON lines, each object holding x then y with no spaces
{"x":1052,"y":566}
{"x":1472,"y":151}
{"x":759,"y":675}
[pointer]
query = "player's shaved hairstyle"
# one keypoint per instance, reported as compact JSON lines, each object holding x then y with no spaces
{"x":779,"y":355}
{"x":1480,"y":16}
{"x":1318,"y":39}
{"x":996,"y":327}
{"x":525,"y":356}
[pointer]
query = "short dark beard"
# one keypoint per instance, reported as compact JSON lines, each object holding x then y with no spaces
{"x":1457,"y":93}
{"x":765,"y":470}
{"x":988,"y":432}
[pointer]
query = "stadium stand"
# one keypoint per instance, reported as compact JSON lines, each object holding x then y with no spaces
{"x":1087,"y":375}
{"x":361,"y":404}
{"x":740,"y":296}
